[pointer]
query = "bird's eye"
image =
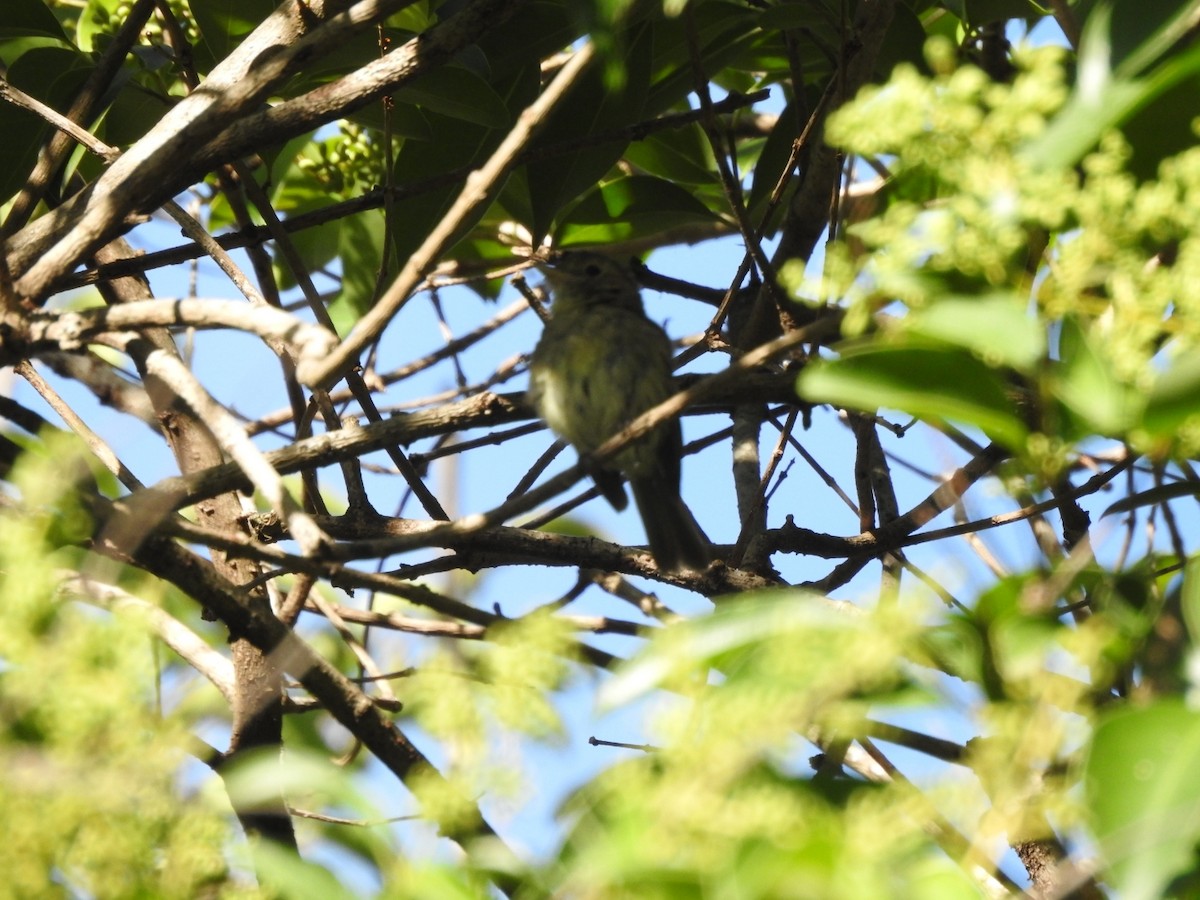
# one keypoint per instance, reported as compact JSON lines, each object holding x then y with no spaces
{"x":592,"y":270}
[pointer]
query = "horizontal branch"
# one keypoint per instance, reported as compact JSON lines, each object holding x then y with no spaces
{"x":73,"y":330}
{"x":484,"y":410}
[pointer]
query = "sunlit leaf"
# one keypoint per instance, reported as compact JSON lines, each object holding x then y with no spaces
{"x":942,"y":384}
{"x":629,"y":208}
{"x":997,"y":328}
{"x":682,"y":155}
{"x":1087,"y":384}
{"x":360,"y":247}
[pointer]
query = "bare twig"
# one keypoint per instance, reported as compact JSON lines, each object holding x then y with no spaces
{"x":478,"y":189}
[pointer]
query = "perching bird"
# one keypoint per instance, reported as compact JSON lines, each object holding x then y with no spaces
{"x":600,"y":363}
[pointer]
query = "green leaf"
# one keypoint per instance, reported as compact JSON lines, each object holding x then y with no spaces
{"x":360,"y":247}
{"x":983,"y":12}
{"x":957,"y":648}
{"x":1147,"y":33}
{"x":942,"y":384}
{"x":29,"y":18}
{"x":404,"y":121}
{"x":134,"y":111}
{"x":1142,"y":785}
{"x":1190,"y":598}
{"x":537,"y":29}
{"x":223,"y":24}
{"x":1086,"y":384}
{"x":1174,"y":398}
{"x":454,"y":143}
{"x":1105,"y":99}
{"x":629,"y":208}
{"x":18,"y":153}
{"x":768,"y":167}
{"x":722,"y":32}
{"x":786,"y":16}
{"x":1154,"y":496}
{"x":1161,"y":126}
{"x":459,"y":93}
{"x":52,"y":74}
{"x":736,"y":637}
{"x":903,"y":43}
{"x":997,"y":328}
{"x":299,"y":192}
{"x":591,"y":109}
{"x":682,"y":155}
{"x":414,"y":19}
{"x":100,"y":18}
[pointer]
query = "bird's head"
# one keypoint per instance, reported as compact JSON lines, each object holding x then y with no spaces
{"x":582,"y":278}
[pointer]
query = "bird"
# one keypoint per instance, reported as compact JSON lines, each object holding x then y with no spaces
{"x":600,"y":363}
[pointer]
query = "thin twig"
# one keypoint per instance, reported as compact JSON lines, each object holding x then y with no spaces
{"x":477,"y":190}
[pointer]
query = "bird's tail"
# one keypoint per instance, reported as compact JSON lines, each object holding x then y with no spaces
{"x":675,"y":538}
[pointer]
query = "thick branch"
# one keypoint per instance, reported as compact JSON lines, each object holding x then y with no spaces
{"x":163,"y":162}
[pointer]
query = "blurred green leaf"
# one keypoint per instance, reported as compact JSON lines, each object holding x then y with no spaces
{"x":1086,"y":383}
{"x":1190,"y":600}
{"x":734,"y":638}
{"x":1174,"y":398}
{"x":956,"y":647}
{"x":287,"y":875}
{"x":998,"y":328}
{"x":1142,"y":788}
{"x":938,"y":383}
{"x":1162,"y":493}
{"x":1104,"y":99}
{"x":1146,"y":34}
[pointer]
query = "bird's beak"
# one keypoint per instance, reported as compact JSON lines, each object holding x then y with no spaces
{"x":546,"y":264}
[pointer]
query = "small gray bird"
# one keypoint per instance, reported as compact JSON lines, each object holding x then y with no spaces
{"x":600,"y":363}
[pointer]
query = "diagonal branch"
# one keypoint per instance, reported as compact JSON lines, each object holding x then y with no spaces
{"x":340,"y":696}
{"x":479,"y":188}
{"x":157,"y":166}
